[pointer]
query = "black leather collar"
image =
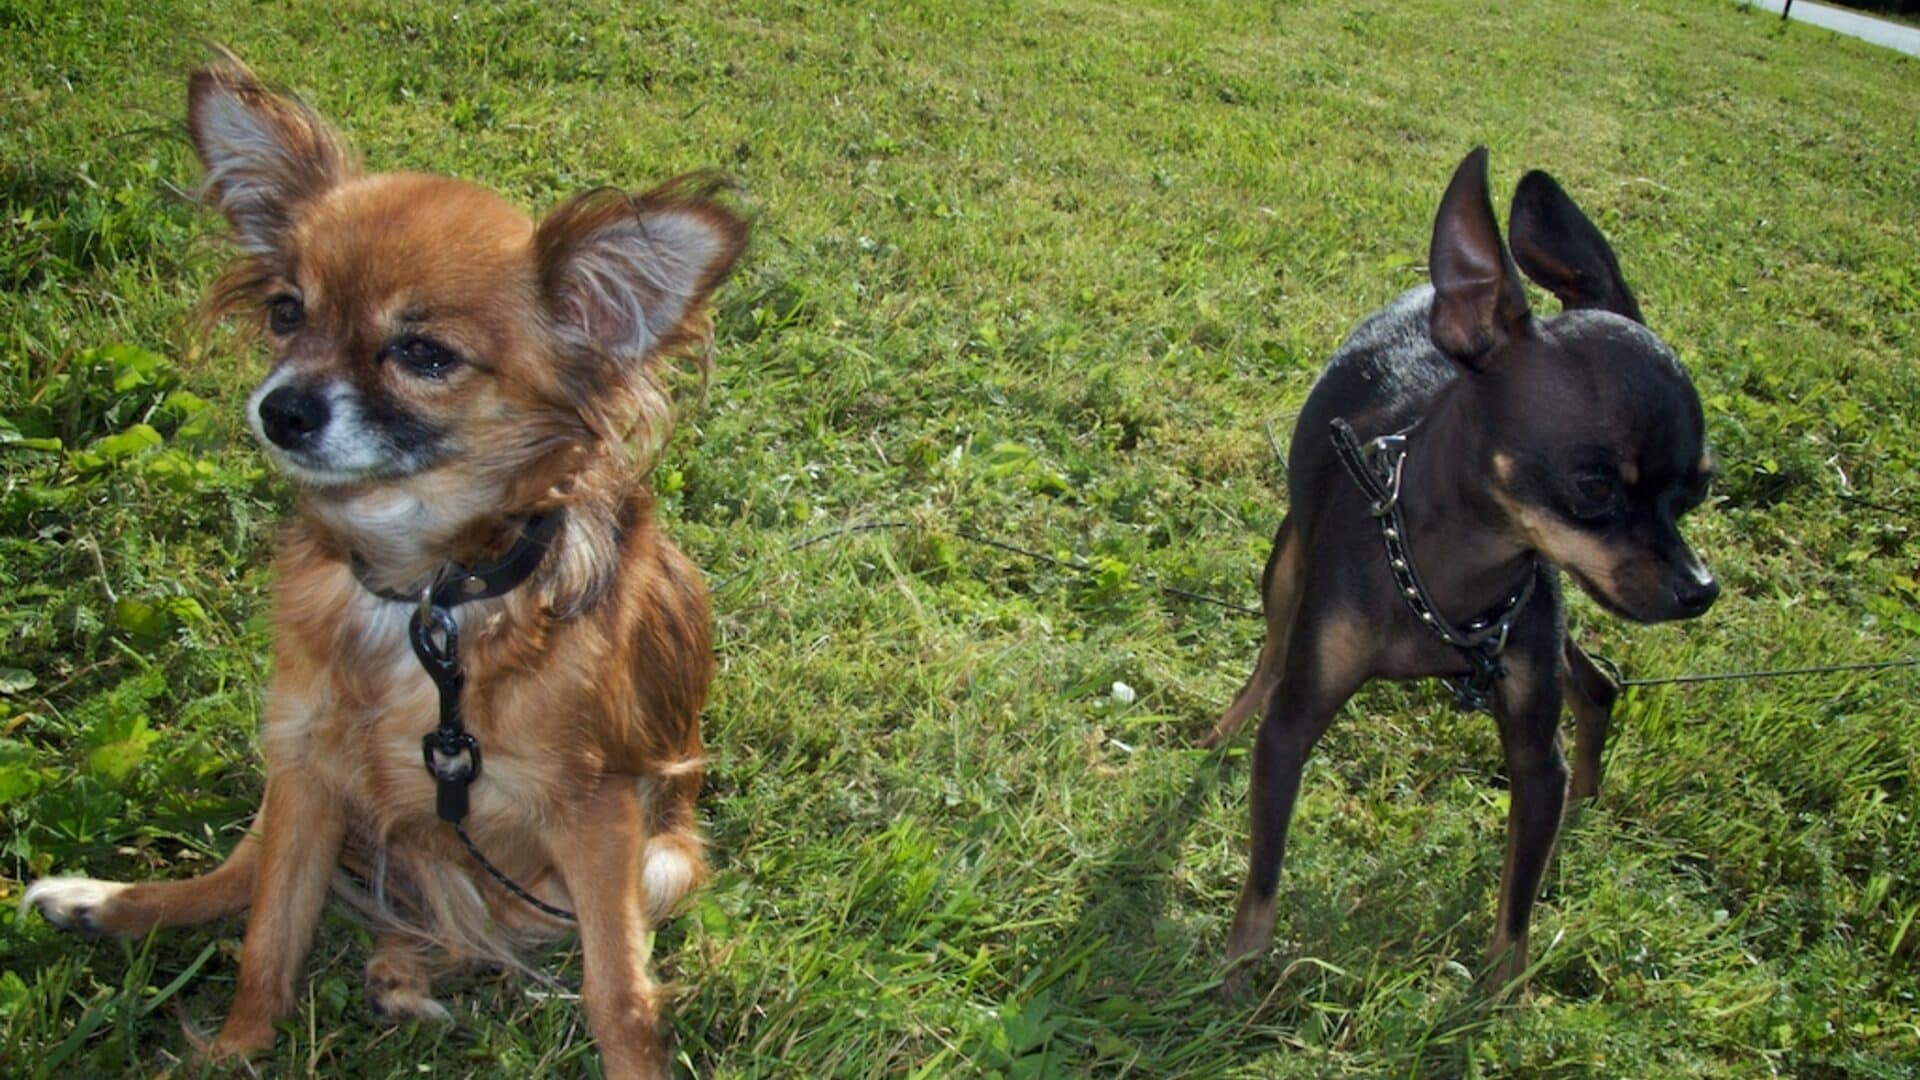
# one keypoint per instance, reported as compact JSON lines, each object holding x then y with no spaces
{"x":457,"y":584}
{"x":1376,"y":468}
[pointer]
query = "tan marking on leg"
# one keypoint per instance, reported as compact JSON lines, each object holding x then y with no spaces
{"x":1252,"y":926}
{"x":1251,"y":698}
{"x":1589,"y":694}
{"x":1282,"y":604}
{"x":1506,"y":963}
{"x":1345,"y":644}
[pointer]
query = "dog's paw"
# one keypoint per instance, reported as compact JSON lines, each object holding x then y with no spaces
{"x":399,"y":996}
{"x":1243,"y":981}
{"x":399,"y":1005}
{"x":71,"y":903}
{"x":237,"y":1042}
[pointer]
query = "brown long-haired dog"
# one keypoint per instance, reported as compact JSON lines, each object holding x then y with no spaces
{"x":456,"y":386}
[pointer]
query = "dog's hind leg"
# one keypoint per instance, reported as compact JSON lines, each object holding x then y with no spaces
{"x":674,"y":862}
{"x":91,"y":906}
{"x":1280,"y":596}
{"x":1322,"y":671}
{"x":603,"y":857}
{"x":1590,"y":694}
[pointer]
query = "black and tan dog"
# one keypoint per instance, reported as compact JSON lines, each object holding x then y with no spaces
{"x":1455,"y":452}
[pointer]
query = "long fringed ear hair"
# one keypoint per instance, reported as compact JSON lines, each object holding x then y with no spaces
{"x":625,"y":278}
{"x":266,"y":156}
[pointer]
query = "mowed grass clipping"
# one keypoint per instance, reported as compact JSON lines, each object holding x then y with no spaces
{"x":1042,"y":272}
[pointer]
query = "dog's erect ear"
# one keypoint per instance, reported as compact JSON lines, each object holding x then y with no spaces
{"x":265,"y":153}
{"x":1559,"y":248}
{"x":1478,"y":298}
{"x":627,"y":275}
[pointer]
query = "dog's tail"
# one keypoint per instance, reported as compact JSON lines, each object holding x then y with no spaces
{"x":675,"y":864}
{"x":675,"y":861}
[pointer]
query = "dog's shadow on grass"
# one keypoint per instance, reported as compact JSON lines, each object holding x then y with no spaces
{"x":1136,"y":967}
{"x":1143,"y":965}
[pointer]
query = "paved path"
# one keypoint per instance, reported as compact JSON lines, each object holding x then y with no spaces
{"x":1879,"y":31}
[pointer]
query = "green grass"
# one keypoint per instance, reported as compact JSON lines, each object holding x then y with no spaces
{"x":1041,"y":271}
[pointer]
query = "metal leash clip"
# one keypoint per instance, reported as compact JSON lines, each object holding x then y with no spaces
{"x":1474,"y":692}
{"x":440,"y":656}
{"x":453,"y":757}
{"x":1385,"y":456}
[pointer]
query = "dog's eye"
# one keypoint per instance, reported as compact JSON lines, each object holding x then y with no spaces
{"x":1596,"y":496}
{"x":423,"y":356}
{"x":285,"y":314}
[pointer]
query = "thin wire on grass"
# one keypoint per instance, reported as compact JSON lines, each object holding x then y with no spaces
{"x":1760,"y":673}
{"x":1079,"y":567}
{"x":969,"y":535}
{"x":868,"y":526}
{"x":1274,"y":445}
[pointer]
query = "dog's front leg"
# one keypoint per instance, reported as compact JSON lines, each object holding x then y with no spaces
{"x":598,"y":852}
{"x":1590,"y":694}
{"x":301,"y":830}
{"x":1528,"y":710}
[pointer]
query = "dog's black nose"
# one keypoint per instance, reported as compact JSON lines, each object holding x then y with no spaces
{"x":293,"y":416}
{"x":1695,"y":592}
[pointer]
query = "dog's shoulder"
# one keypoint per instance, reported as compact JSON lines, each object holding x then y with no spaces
{"x":1398,"y":330}
{"x":1384,"y":374}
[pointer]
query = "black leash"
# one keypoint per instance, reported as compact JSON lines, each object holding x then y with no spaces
{"x":450,"y":752}
{"x":1377,"y":469}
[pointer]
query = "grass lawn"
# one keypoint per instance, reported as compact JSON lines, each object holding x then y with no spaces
{"x":1041,"y":271}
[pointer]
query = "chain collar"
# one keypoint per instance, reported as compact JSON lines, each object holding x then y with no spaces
{"x":1378,"y":468}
